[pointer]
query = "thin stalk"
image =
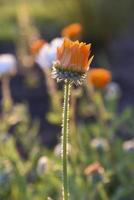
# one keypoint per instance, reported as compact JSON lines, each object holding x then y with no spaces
{"x":65,"y":139}
{"x":52,"y":89}
{"x":102,"y":192}
{"x":6,"y":94}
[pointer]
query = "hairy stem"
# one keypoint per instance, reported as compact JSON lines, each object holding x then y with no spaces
{"x":65,"y":139}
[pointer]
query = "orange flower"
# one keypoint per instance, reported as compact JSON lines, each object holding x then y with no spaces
{"x":36,"y":46}
{"x":73,"y":56}
{"x":93,"y":168}
{"x":99,"y":77}
{"x":72,"y":61}
{"x":72,"y":31}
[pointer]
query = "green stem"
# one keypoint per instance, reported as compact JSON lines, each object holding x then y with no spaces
{"x":65,"y":139}
{"x":102,"y":192}
{"x":7,"y":100}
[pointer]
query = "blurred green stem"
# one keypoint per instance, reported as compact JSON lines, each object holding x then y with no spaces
{"x":6,"y":94}
{"x":52,"y":90}
{"x":102,"y":192}
{"x":65,"y":139}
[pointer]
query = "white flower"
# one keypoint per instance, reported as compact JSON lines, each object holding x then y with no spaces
{"x":112,"y":91}
{"x":100,"y":144}
{"x":42,"y":165}
{"x":56,"y":42}
{"x":7,"y":64}
{"x":47,"y":53}
{"x":58,"y":149}
{"x":43,"y":56}
{"x":128,"y":146}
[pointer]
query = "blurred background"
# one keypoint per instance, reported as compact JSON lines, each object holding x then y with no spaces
{"x":31,"y":101}
{"x":107,"y":25}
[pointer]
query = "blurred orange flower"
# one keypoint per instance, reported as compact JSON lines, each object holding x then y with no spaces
{"x":93,"y":168}
{"x":36,"y":45}
{"x":99,"y":77}
{"x":73,"y":56}
{"x":72,"y":31}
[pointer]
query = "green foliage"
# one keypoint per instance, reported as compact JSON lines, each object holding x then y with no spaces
{"x":29,"y":171}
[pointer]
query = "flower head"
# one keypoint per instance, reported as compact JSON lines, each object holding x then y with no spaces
{"x":47,"y":54}
{"x":7,"y":64}
{"x":99,"y":77}
{"x":100,"y":144}
{"x":112,"y":91}
{"x":96,"y":173}
{"x":42,"y":165}
{"x":72,"y":31}
{"x":58,"y":149}
{"x":37,"y":45}
{"x":72,"y":61}
{"x":94,"y":168}
{"x":56,"y":42}
{"x":128,"y":146}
